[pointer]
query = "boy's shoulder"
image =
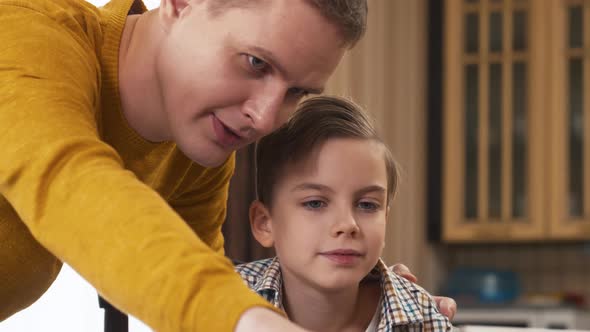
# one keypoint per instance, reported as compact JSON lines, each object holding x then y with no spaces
{"x":263,"y":277}
{"x":257,"y":272}
{"x":405,"y":302}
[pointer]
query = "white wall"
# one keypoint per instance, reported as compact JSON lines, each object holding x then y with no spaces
{"x":70,"y":304}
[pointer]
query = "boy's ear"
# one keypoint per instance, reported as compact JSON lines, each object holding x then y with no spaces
{"x":261,"y":225}
{"x":170,"y":10}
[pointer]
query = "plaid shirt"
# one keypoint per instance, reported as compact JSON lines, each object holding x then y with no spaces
{"x":405,"y":306}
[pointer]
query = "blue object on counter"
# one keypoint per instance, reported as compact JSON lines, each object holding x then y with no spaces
{"x":483,"y":286}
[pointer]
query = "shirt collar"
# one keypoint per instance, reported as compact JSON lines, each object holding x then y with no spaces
{"x":398,"y":303}
{"x":271,"y":282}
{"x":399,"y":306}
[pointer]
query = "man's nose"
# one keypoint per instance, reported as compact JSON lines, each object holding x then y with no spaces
{"x":263,"y":109}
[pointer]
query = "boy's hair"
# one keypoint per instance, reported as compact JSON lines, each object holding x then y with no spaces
{"x":316,"y":120}
{"x":350,"y":16}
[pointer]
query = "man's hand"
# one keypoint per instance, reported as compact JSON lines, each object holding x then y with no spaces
{"x":403,"y":271}
{"x":446,"y":305}
{"x":265,"y":320}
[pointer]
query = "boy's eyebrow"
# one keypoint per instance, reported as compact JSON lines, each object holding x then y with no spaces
{"x":373,"y":188}
{"x":321,"y":187}
{"x":272,"y":59}
{"x":312,"y":186}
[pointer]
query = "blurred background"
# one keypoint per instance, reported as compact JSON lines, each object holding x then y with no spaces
{"x":484,"y":105}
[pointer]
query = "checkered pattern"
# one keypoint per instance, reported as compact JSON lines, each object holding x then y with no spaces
{"x":406,"y":306}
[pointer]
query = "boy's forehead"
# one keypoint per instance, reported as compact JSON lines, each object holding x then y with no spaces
{"x":313,"y":166}
{"x":306,"y":164}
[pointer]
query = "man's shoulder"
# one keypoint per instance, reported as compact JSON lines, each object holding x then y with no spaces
{"x":66,"y":11}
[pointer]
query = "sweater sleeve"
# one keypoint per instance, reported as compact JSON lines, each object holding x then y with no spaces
{"x":76,"y":198}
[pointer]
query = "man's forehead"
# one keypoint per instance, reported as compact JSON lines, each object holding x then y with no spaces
{"x":291,"y":35}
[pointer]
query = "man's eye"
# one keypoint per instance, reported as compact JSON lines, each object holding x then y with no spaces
{"x":256,"y":63}
{"x":298,"y":92}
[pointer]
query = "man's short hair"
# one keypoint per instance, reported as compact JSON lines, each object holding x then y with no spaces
{"x":316,"y":120}
{"x":350,"y":16}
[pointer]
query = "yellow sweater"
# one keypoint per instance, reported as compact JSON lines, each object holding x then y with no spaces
{"x":138,"y":220}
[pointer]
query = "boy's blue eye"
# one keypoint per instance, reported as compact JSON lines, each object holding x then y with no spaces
{"x":368,"y":206}
{"x":315,"y":204}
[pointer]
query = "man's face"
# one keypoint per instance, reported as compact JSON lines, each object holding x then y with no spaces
{"x":328,"y":215}
{"x":229,"y":79}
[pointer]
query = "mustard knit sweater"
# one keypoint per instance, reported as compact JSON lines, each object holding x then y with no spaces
{"x":138,"y":220}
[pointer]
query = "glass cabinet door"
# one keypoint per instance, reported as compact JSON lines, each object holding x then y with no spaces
{"x":493,"y":122}
{"x":570,"y":216}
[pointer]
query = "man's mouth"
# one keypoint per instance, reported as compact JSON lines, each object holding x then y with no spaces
{"x":226,"y":136}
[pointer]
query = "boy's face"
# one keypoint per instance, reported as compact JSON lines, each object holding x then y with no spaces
{"x":229,"y":79}
{"x":328,"y":215}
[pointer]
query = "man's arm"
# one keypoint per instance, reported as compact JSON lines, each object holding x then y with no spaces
{"x":78,"y":200}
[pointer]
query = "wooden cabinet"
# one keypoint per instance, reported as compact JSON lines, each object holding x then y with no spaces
{"x":516,"y":125}
{"x":569,"y":159}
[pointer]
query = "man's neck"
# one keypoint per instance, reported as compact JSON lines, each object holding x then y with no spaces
{"x":345,"y":310}
{"x":138,"y":83}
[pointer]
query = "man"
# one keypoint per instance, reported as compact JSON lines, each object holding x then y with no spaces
{"x":118,"y":131}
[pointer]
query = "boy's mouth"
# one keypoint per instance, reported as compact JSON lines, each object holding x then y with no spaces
{"x":342,"y":256}
{"x":345,"y":252}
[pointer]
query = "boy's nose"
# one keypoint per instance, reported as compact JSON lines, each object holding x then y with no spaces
{"x":345,"y":224}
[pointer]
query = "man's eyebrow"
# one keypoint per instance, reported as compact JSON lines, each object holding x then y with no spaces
{"x":272,"y":60}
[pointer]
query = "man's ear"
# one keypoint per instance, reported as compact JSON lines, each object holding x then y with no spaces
{"x":170,"y":10}
{"x":261,"y":225}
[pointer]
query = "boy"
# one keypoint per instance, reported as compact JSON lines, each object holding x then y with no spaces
{"x":325,"y":182}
